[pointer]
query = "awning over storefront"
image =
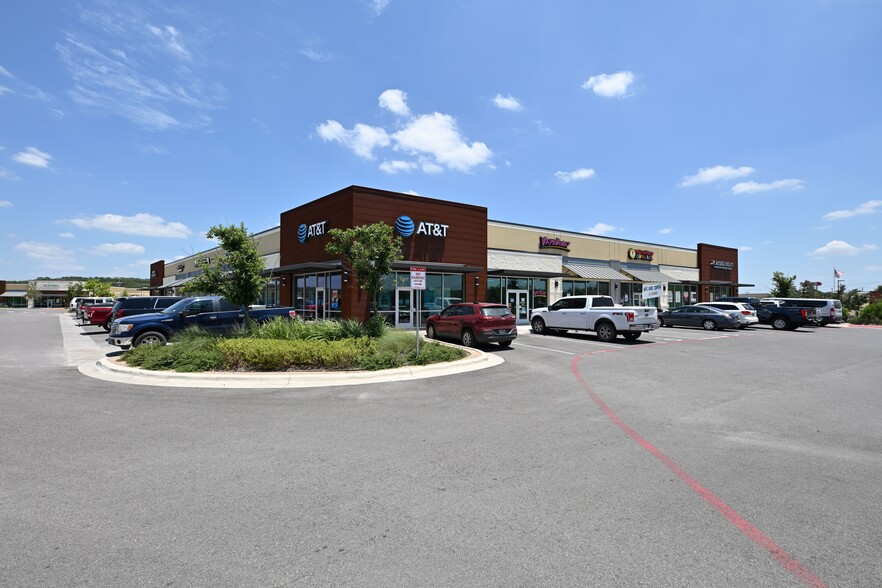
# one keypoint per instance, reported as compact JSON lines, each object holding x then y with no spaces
{"x":177,"y":283}
{"x":14,"y":294}
{"x":594,"y":272}
{"x":681,"y":274}
{"x":649,"y":275}
{"x":271,"y":262}
{"x":310,"y":266}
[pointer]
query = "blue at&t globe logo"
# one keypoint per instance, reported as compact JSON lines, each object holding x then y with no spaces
{"x":301,"y":233}
{"x":404,"y":225}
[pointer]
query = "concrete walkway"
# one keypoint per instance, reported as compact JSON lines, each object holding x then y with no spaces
{"x":92,"y":360}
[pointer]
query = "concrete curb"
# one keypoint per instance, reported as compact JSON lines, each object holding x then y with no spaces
{"x":111,"y":371}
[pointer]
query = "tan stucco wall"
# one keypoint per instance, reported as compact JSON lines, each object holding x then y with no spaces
{"x":267,"y":243}
{"x":517,"y":238}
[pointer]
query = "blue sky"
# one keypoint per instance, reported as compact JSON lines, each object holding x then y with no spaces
{"x":127,"y":129}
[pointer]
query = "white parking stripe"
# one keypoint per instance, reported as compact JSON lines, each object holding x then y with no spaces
{"x":543,"y":348}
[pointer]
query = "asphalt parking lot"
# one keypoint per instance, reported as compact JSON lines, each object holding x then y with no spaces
{"x":686,"y":458}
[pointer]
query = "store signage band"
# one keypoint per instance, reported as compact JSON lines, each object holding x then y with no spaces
{"x":726,"y":265}
{"x":640,"y":254}
{"x":553,"y":243}
{"x":306,"y":232}
{"x":406,"y":226}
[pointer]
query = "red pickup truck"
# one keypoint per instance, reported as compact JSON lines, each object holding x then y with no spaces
{"x":99,"y":315}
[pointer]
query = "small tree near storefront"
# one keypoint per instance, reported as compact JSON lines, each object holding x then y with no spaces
{"x":236,"y":273}
{"x":369,"y":252}
{"x":97,"y":288}
{"x":783,"y":285}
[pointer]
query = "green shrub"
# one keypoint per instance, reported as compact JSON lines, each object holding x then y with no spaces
{"x":871,"y":314}
{"x":281,"y":355}
{"x":376,"y":326}
{"x":195,"y":354}
{"x":299,"y":330}
{"x":435,"y":353}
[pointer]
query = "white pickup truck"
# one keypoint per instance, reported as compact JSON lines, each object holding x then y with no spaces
{"x":594,"y":313}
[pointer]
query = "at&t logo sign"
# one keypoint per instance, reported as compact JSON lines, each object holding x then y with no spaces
{"x":405,"y":226}
{"x":306,"y":232}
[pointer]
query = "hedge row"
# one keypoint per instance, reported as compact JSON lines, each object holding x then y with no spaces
{"x":275,"y":355}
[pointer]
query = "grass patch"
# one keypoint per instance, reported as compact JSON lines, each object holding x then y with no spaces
{"x":285,"y":345}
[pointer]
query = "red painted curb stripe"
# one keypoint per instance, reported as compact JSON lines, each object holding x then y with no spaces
{"x":787,"y":561}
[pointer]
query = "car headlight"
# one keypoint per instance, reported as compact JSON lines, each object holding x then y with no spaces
{"x":122,"y":327}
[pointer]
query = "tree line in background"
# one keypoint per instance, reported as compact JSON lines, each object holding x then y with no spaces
{"x":858,"y":306}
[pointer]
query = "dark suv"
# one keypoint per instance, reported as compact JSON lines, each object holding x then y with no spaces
{"x":474,"y":322}
{"x":141,"y":305}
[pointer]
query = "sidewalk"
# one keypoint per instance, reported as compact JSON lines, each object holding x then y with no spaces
{"x":92,"y":360}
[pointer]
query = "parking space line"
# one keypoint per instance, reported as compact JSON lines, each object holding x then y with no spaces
{"x":543,"y":348}
{"x":784,"y":559}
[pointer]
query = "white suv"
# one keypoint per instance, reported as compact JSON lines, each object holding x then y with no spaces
{"x":745,"y":313}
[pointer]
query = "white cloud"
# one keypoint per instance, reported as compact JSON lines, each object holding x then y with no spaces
{"x":868,"y":207}
{"x":508,"y":103}
{"x":67,"y":235}
{"x":601,"y":229}
{"x":395,"y":101}
{"x":5,"y":90}
{"x":140,"y":224}
{"x":362,"y":139}
{"x":610,"y":85}
{"x":5,"y":72}
{"x":378,"y":6}
{"x":154,"y":83}
{"x":666,"y":231}
{"x":583,"y":173}
{"x":841,"y":248}
{"x":5,"y":203}
{"x":170,"y":39}
{"x":745,"y":248}
{"x":751,"y":187}
{"x":542,"y":128}
{"x":33,"y":157}
{"x":317,"y":55}
{"x":707,"y":175}
{"x":437,"y":136}
{"x":8,"y":175}
{"x":395,"y":166}
{"x":112,"y":248}
{"x":50,"y":256}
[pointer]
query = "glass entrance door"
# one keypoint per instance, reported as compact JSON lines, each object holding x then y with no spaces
{"x":518,"y":303}
{"x":404,"y":308}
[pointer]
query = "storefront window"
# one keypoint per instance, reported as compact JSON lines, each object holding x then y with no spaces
{"x":517,"y":284}
{"x":494,"y":290}
{"x":540,"y":292}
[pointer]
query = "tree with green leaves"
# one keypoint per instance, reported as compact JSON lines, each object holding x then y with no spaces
{"x":76,"y":290}
{"x":33,"y":293}
{"x":96,"y":287}
{"x":783,"y":285}
{"x":808,"y":289}
{"x":369,"y":252}
{"x":236,"y":273}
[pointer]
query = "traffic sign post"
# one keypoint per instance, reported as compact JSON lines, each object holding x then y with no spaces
{"x":417,"y":284}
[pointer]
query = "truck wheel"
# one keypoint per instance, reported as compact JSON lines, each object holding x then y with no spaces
{"x":606,"y":332}
{"x":709,"y":325}
{"x":150,"y":338}
{"x":631,"y":336}
{"x":467,"y":338}
{"x":538,"y":326}
{"x":780,"y":323}
{"x":430,"y":332}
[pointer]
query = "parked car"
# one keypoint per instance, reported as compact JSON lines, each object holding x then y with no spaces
{"x":743,"y":299}
{"x":99,"y":314}
{"x":82,"y":302}
{"x":710,"y":319}
{"x":744,"y":312}
{"x":473,"y":323}
{"x":442,"y":303}
{"x":781,"y":317}
{"x":210,"y":313}
{"x":130,"y":306}
{"x":829,"y":310}
{"x":594,"y":313}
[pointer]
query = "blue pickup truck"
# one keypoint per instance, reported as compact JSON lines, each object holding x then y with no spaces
{"x":210,"y":313}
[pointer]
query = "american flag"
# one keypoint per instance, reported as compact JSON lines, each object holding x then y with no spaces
{"x":836,"y":273}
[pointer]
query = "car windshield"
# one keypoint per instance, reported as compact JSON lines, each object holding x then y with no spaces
{"x":177,"y":306}
{"x":495,"y":311}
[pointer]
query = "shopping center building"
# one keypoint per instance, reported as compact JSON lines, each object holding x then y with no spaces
{"x":466,"y":257}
